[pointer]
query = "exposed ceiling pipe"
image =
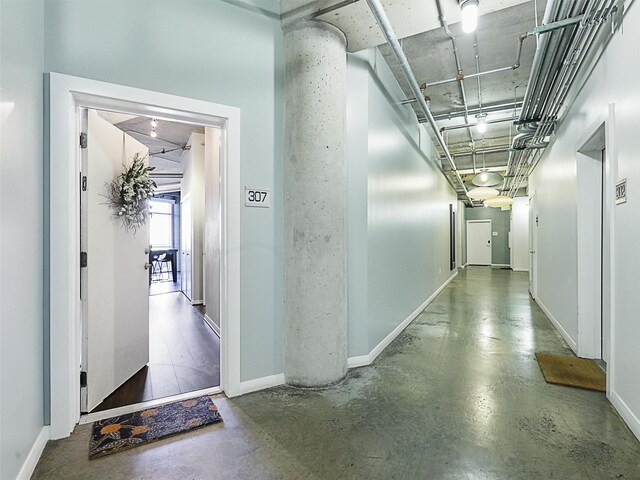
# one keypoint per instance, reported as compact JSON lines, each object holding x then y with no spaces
{"x":459,"y":71}
{"x":565,"y":39}
{"x":489,"y":122}
{"x":391,"y":38}
{"x":504,"y":107}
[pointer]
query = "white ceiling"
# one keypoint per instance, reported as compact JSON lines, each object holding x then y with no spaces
{"x":165,"y":151}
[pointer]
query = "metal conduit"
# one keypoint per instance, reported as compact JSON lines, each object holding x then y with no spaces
{"x":387,"y":30}
{"x":557,"y":62}
{"x":459,"y":71}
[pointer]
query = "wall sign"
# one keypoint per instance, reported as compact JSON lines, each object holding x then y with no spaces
{"x":621,"y":191}
{"x":256,"y":197}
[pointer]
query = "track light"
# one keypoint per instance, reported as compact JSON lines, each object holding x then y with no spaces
{"x":153,"y":133}
{"x":469,"y":9}
{"x":154,"y":123}
{"x":481,"y":125}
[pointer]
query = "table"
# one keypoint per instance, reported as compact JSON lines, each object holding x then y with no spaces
{"x":172,"y":255}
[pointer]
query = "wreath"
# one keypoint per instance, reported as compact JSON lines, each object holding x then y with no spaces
{"x":129,"y":193}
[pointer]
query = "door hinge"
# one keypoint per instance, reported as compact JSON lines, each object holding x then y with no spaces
{"x":83,"y":379}
{"x":84,"y":183}
{"x":83,"y":259}
{"x":83,"y":140}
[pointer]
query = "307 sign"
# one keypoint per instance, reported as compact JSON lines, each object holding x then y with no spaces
{"x":255,"y":197}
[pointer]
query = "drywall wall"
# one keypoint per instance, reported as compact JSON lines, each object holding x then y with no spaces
{"x":21,"y":232}
{"x":520,"y":234}
{"x":192,"y":192}
{"x":500,"y":224}
{"x":222,"y":52}
{"x":357,"y":155}
{"x":408,"y":208}
{"x":554,"y":182}
{"x":212,"y":225}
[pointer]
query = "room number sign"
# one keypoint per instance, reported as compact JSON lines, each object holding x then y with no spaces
{"x":621,"y":191}
{"x":256,"y":197}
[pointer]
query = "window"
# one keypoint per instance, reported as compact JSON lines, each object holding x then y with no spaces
{"x":161,"y":224}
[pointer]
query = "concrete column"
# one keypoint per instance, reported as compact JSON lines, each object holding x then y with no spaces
{"x":315,"y":205}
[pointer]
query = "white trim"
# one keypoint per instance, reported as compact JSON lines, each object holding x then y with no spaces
{"x":625,"y":412}
{"x":114,"y":412}
{"x":556,"y":324}
{"x":261,"y":383}
{"x":212,"y":324}
{"x":66,"y":95}
{"x":363,"y":360}
{"x":197,"y":302}
{"x":33,"y":457}
{"x":520,"y":270}
{"x":500,"y":265}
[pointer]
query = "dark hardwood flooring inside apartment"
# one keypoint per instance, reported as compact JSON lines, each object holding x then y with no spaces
{"x":184,"y":354}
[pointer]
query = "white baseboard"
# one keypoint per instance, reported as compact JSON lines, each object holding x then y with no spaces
{"x":361,"y":361}
{"x":368,"y":359}
{"x":625,"y":412}
{"x":352,"y":362}
{"x":572,"y":343}
{"x":500,"y":265}
{"x":261,"y":383}
{"x":31,"y":461}
{"x":197,"y":302}
{"x":212,"y":324}
{"x":520,"y":269}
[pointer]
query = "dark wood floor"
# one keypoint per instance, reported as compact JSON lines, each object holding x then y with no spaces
{"x":184,"y":354}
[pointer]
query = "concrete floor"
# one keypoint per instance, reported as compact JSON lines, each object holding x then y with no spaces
{"x":458,"y":395}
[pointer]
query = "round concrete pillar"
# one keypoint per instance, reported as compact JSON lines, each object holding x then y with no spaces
{"x":315,"y":205}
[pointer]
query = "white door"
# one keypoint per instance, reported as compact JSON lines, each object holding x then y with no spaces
{"x":115,"y":282}
{"x":479,"y":242}
{"x":533,"y":245}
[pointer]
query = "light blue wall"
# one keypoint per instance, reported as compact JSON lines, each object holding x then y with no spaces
{"x":223,"y":51}
{"x":21,"y":232}
{"x":408,"y":209}
{"x":358,"y":73}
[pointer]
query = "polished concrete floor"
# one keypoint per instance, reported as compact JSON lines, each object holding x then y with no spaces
{"x":458,"y":395}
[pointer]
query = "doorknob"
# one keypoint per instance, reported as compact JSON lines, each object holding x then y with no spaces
{"x":147,"y":266}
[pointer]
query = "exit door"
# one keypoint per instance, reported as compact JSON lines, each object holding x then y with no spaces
{"x":479,"y":242}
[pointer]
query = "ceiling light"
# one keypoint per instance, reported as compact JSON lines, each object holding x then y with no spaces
{"x":487,"y":179}
{"x":153,"y":133}
{"x":481,"y":124}
{"x":469,"y":10}
{"x":500,"y":201}
{"x":154,"y":123}
{"x":482,"y":193}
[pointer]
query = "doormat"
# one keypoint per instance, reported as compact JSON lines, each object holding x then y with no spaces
{"x":572,"y":371}
{"x":138,"y":428}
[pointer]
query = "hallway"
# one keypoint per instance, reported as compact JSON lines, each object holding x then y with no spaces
{"x":458,"y":395}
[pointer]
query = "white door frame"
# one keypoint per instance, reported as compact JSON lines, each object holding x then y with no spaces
{"x":600,"y":134}
{"x":488,"y":220}
{"x":64,"y":96}
{"x":533,"y":245}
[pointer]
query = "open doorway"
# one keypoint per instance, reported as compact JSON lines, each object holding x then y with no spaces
{"x":594,"y":193}
{"x":148,"y":330}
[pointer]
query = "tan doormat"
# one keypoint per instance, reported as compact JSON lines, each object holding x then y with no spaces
{"x":572,"y":371}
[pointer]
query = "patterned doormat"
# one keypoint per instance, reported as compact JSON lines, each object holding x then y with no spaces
{"x":133,"y":429}
{"x":572,"y":371}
